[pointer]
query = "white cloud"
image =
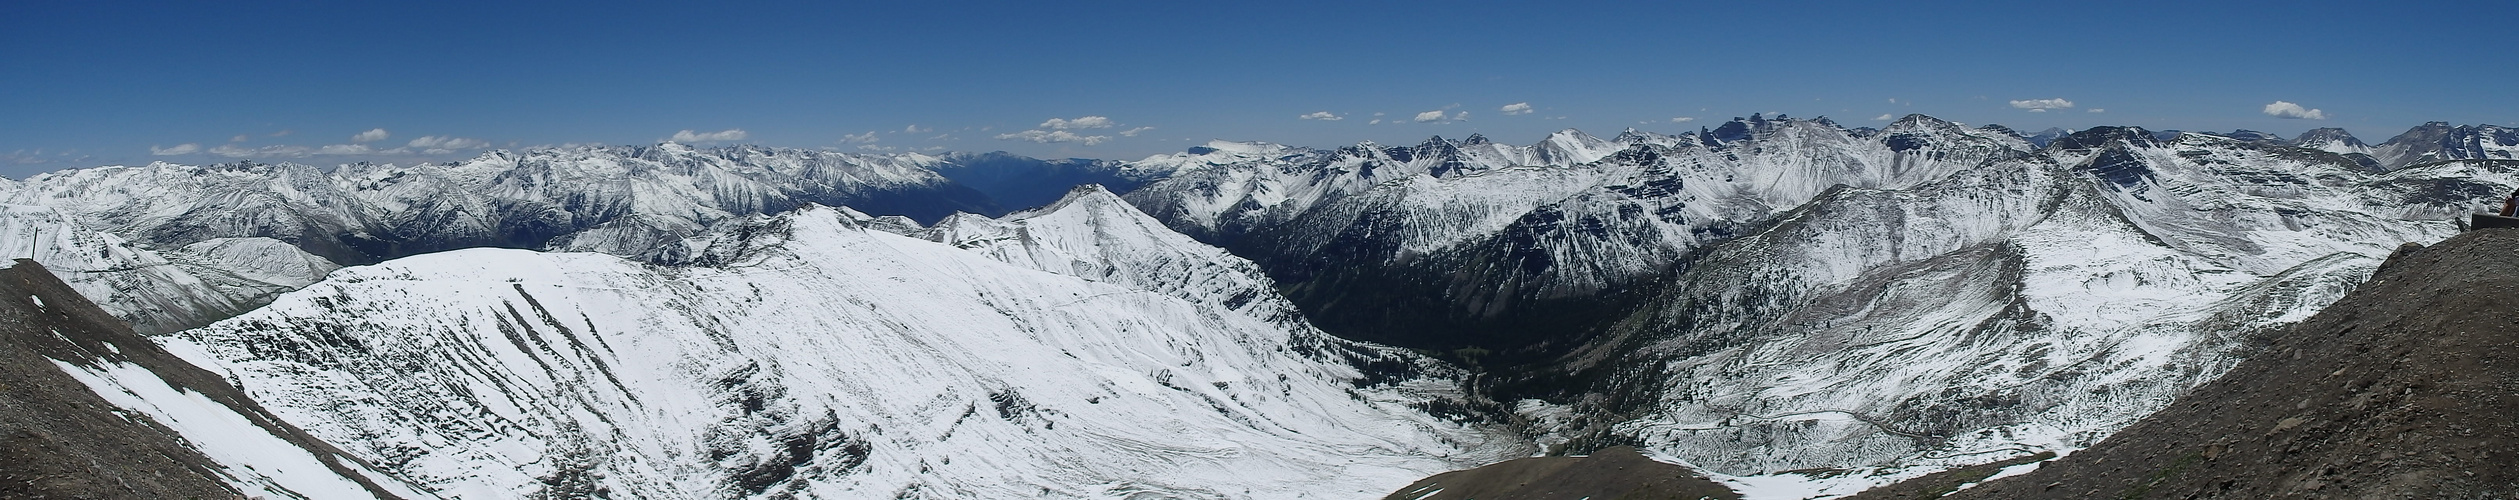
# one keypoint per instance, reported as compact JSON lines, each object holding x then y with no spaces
{"x":1684,"y":119}
{"x":1060,"y":130}
{"x":179,"y":149}
{"x":1079,"y":123}
{"x":865,"y":138}
{"x":1438,"y":116}
{"x":283,"y":133}
{"x":2098,"y":110}
{"x":2287,"y":110}
{"x":732,"y":134}
{"x":1052,"y":136}
{"x":2042,"y":104}
{"x":240,"y":138}
{"x":915,"y":129}
{"x":2038,"y":110}
{"x":871,"y":147}
{"x":371,"y":135}
{"x":1376,"y":121}
{"x":439,"y":142}
{"x":1322,"y":116}
{"x":1884,"y":117}
{"x":1519,"y":108}
{"x":344,"y":149}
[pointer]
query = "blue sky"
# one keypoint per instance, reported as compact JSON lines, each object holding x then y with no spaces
{"x":93,"y":83}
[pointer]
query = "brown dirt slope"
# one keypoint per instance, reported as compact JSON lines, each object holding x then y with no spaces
{"x":2406,"y":388}
{"x":59,"y":440}
{"x":1617,"y":473}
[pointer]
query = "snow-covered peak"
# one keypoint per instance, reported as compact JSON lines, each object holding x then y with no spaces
{"x":2439,"y":141}
{"x":2332,"y":140}
{"x":1570,"y":146}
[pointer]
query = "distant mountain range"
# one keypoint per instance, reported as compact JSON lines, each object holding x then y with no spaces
{"x":1788,"y":305}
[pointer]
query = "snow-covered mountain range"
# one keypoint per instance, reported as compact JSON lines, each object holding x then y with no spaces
{"x":1776,"y":294}
{"x":1253,"y":321}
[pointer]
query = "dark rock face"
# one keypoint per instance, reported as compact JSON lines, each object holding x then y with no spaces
{"x":2400,"y":390}
{"x":1617,"y":472}
{"x":59,"y":440}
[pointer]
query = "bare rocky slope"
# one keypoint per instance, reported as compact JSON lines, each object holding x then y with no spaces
{"x":2402,"y":389}
{"x":1617,"y":472}
{"x":69,"y":427}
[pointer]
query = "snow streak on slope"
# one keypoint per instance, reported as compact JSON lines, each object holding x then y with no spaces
{"x":258,"y":463}
{"x":95,"y":410}
{"x":806,"y":354}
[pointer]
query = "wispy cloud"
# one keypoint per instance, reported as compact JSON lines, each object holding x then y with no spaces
{"x":865,"y":138}
{"x":439,"y":142}
{"x":179,"y":149}
{"x":915,"y":129}
{"x":287,"y":151}
{"x":2098,"y":110}
{"x":1063,"y":130}
{"x":1437,"y":116}
{"x":1050,"y":136}
{"x":371,"y":135}
{"x":2042,"y":105}
{"x":1884,"y":117}
{"x":346,"y":149}
{"x":732,"y":134}
{"x":1519,"y":108}
{"x":233,"y":151}
{"x":240,"y":138}
{"x":2287,"y":110}
{"x":21,"y":157}
{"x":1079,"y":123}
{"x":1322,"y":116}
{"x":1683,"y":119}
